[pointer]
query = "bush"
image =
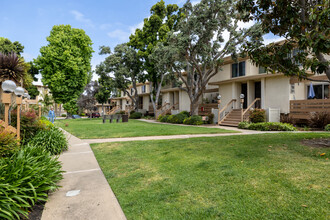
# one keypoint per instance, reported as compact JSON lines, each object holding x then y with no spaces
{"x":63,"y":115}
{"x":187,"y":114}
{"x":211,"y":118}
{"x":319,"y":120}
{"x":8,"y":142}
{"x":163,"y":118}
{"x":177,"y":119}
{"x":121,"y":113}
{"x":52,"y":140}
{"x":45,"y":124}
{"x":25,"y":178}
{"x":257,"y":115}
{"x":135,"y":115}
{"x":82,"y":114}
{"x":29,"y":124}
{"x":193,"y":120}
{"x":286,"y":118}
{"x":327,"y":128}
{"x":267,"y":126}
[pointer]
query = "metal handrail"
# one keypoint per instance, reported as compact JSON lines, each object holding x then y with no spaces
{"x":223,"y":109}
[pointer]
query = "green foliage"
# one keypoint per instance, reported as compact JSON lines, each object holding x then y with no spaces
{"x":177,"y":119}
{"x":257,"y":115}
{"x":29,"y":124}
{"x":185,"y":113}
{"x":82,"y":114}
{"x":163,"y":118}
{"x":71,"y":107}
{"x":319,"y":120}
{"x":8,"y":143}
{"x":267,"y":126}
{"x":25,"y":178}
{"x":211,"y":118}
{"x":193,"y":120}
{"x":45,"y":124}
{"x":52,"y":140}
{"x":6,"y":46}
{"x":327,"y":128}
{"x":63,"y":115}
{"x":65,"y":63}
{"x":135,"y":115}
{"x":305,"y":26}
{"x":33,"y":91}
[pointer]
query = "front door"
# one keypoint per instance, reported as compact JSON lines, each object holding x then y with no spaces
{"x":140,"y":103}
{"x":257,"y":92}
{"x":244,"y":91}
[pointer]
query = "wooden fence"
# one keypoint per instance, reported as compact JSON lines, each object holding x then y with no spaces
{"x":303,"y":109}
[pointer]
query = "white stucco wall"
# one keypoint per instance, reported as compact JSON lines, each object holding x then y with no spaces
{"x":277,"y":91}
{"x":184,"y":101}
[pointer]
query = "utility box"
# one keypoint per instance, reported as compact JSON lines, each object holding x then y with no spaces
{"x":273,"y":114}
{"x":124,"y":118}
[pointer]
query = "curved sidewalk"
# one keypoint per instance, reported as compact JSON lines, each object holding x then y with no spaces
{"x":85,"y":192}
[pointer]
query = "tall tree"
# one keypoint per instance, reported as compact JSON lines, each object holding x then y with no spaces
{"x":6,"y":46}
{"x":126,"y":66}
{"x":106,"y":85}
{"x":196,"y":47}
{"x":87,"y":99}
{"x":155,"y":28}
{"x":65,"y":62}
{"x":305,"y":26}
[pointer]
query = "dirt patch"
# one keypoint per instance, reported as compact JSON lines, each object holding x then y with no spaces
{"x":320,"y":142}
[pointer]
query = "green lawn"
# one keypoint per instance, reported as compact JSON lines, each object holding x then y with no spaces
{"x":94,"y":128}
{"x":269,"y":176}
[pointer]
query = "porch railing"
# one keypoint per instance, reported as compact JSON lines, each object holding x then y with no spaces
{"x":302,"y":109}
{"x":205,"y":109}
{"x":222,"y":114}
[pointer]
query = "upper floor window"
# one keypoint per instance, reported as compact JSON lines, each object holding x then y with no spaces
{"x":262,"y":70}
{"x":238,"y":69}
{"x":144,"y":89}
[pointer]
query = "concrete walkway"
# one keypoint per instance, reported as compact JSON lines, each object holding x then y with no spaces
{"x":85,"y":192}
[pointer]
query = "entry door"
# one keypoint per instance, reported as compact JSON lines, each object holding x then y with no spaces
{"x":244,"y":91}
{"x":140,"y":102}
{"x":257,"y":92}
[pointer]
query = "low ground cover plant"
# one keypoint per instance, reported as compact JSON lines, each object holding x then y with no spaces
{"x":25,"y":178}
{"x":257,"y":115}
{"x":267,"y":126}
{"x":135,"y":115}
{"x":327,"y":128}
{"x":52,"y":140}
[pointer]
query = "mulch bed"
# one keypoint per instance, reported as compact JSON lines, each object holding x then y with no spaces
{"x":319,"y":142}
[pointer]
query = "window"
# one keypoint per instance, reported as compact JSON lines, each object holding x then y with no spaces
{"x":238,"y":69}
{"x":144,"y":89}
{"x":321,"y":91}
{"x":262,"y":70}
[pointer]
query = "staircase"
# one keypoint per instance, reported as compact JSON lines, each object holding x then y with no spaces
{"x":233,"y":118}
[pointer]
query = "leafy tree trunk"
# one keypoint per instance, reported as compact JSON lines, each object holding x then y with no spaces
{"x":155,"y":99}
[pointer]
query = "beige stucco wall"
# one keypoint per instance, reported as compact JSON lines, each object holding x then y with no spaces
{"x":300,"y":92}
{"x":146,"y":103}
{"x":184,"y":101}
{"x":277,"y":90}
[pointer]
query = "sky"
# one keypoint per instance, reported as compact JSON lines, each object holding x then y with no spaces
{"x":106,"y":22}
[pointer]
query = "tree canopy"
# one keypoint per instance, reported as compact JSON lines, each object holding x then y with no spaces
{"x":65,"y":63}
{"x":163,"y":19}
{"x":6,"y":46}
{"x":196,"y":47}
{"x":305,"y":26}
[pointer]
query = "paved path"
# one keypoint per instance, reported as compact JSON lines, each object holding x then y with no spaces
{"x":95,"y":199}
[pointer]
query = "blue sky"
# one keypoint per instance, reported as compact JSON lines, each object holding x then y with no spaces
{"x":105,"y":22}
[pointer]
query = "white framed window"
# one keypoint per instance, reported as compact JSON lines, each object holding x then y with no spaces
{"x":292,"y":88}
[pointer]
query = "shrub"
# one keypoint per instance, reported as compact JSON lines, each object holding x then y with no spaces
{"x":82,"y":114}
{"x":211,"y":118}
{"x":121,"y":113}
{"x":177,"y":119}
{"x":187,"y":114}
{"x":52,"y":140}
{"x":25,"y":178}
{"x":136,"y":115}
{"x":63,"y":115}
{"x":45,"y":124}
{"x":257,"y":115}
{"x":8,"y":142}
{"x":286,"y":118}
{"x":327,"y":128}
{"x":164,"y":118}
{"x":193,"y":120}
{"x":319,"y":120}
{"x":29,"y":124}
{"x":267,"y":126}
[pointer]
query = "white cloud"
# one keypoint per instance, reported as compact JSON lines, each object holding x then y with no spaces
{"x":119,"y":34}
{"x":105,"y":26}
{"x":134,"y":27}
{"x":272,"y":39}
{"x":78,"y":16}
{"x":28,"y":57}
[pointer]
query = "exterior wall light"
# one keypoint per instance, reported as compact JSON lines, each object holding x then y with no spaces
{"x":8,"y":86}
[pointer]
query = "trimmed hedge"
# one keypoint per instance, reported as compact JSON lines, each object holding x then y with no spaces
{"x":52,"y":140}
{"x":267,"y":126}
{"x":135,"y":115}
{"x":327,"y":128}
{"x":25,"y":178}
{"x":193,"y":120}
